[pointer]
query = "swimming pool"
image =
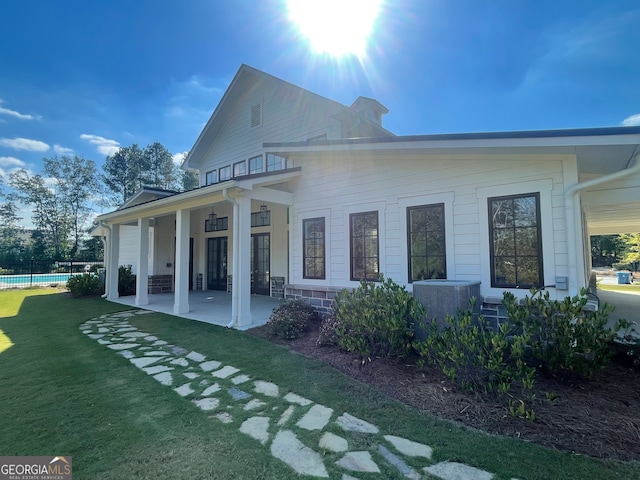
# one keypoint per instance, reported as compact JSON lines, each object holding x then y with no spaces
{"x":15,"y":281}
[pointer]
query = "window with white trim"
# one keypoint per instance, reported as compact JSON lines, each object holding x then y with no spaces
{"x":364,"y":239}
{"x":426,"y":242}
{"x":515,"y":241}
{"x":313,"y":248}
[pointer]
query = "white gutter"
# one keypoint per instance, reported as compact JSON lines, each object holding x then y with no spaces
{"x":235,"y":268}
{"x":574,"y":214}
{"x":104,"y":257}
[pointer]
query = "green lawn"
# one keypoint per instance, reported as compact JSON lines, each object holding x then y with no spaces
{"x":61,"y":393}
{"x":620,"y":288}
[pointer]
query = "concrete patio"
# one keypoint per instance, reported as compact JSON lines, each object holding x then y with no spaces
{"x":208,"y":306}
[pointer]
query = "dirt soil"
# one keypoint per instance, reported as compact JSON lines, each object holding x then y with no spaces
{"x":598,"y":417}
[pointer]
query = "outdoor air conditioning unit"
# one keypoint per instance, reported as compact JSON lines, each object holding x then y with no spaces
{"x":444,"y":297}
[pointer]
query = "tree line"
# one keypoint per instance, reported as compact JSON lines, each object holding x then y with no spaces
{"x":64,"y":196}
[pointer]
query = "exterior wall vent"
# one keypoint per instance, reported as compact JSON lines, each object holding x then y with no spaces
{"x":256,"y":115}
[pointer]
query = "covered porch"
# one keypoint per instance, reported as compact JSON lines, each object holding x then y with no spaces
{"x":207,"y":306}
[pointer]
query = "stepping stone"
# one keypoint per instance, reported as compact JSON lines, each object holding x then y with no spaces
{"x":195,"y":356}
{"x":103,"y":330}
{"x":207,"y":403}
{"x":457,"y":471}
{"x":238,"y":394}
{"x":297,"y":455}
{"x":240,"y":379}
{"x":184,"y":390}
{"x":254,"y":404}
{"x":333,"y":443}
{"x":96,"y":336}
{"x":143,"y":312}
{"x":150,"y":338}
{"x":157,"y":343}
{"x":102,"y":341}
{"x":224,"y":417}
{"x":400,"y":464}
{"x":266,"y":388}
{"x":316,"y":418}
{"x":180,"y":361}
{"x":157,"y":369}
{"x":358,"y":462}
{"x":297,"y":399}
{"x":353,"y":424}
{"x":284,"y":418}
{"x":191,"y":375}
{"x":157,"y":353}
{"x":177,"y":351}
{"x":210,"y":365}
{"x":126,"y":329}
{"x":126,"y":353}
{"x":164,"y":378}
{"x":256,"y":427}
{"x":134,"y":334}
{"x":215,"y":388}
{"x":144,"y":361}
{"x":225,"y":372}
{"x":409,"y":448}
{"x":123,"y":346}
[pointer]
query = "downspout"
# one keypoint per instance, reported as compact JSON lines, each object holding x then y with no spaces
{"x":236,"y":261}
{"x":573,"y":212}
{"x":104,"y":244}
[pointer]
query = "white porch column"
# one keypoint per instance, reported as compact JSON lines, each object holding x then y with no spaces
{"x":142,"y":276}
{"x":112,"y":266}
{"x":181,"y":282}
{"x":243,"y":280}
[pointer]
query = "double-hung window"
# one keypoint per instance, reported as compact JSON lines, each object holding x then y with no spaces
{"x":313,"y":248}
{"x":364,"y":237}
{"x":426,"y":242}
{"x":515,"y":240}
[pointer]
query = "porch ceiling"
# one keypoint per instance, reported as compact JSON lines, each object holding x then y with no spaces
{"x":614,"y":218}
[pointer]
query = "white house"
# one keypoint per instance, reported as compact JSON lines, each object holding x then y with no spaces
{"x":304,"y":196}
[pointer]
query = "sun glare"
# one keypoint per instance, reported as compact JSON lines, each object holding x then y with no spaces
{"x":335,"y":27}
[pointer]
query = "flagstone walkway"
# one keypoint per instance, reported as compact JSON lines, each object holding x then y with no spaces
{"x":276,"y":419}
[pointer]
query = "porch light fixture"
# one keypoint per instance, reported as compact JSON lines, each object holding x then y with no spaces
{"x":264,"y":211}
{"x":211,"y":223}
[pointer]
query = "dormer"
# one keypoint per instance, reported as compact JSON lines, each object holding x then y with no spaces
{"x":370,"y":109}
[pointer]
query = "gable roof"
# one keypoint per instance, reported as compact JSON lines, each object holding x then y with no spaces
{"x":247,"y":78}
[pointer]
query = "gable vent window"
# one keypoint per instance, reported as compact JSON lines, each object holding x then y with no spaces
{"x":256,"y":115}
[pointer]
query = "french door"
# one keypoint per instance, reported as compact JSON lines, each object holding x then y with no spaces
{"x":217,"y":250}
{"x":260,"y":263}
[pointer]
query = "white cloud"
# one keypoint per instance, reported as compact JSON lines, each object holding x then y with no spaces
{"x":60,"y":150}
{"x":104,"y":145}
{"x":178,"y":158}
{"x":24,"y":144}
{"x":632,"y":121}
{"x":9,"y":165}
{"x":19,"y":115}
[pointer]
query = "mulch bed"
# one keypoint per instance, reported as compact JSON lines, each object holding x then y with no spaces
{"x":598,"y":417}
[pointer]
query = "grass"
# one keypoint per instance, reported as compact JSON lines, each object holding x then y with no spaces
{"x":62,"y":393}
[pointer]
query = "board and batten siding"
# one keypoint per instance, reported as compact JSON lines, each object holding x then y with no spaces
{"x":288,"y":114}
{"x":339,"y":184}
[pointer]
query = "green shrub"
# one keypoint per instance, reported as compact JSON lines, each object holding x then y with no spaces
{"x":476,"y":358}
{"x":564,"y":335}
{"x":290,"y":319}
{"x":327,"y":335}
{"x":377,"y":319}
{"x":84,"y":285}
{"x":623,"y":266}
{"x":126,"y":281}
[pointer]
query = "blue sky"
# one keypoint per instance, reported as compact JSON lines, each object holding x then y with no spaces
{"x":86,"y":77}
